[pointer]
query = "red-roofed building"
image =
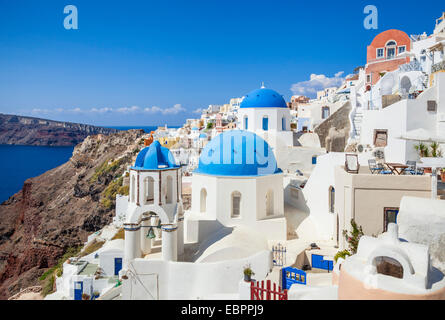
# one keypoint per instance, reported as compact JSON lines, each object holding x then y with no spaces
{"x":383,"y":54}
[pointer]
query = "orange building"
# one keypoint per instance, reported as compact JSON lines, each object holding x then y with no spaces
{"x":384,"y":54}
{"x":149,"y":140}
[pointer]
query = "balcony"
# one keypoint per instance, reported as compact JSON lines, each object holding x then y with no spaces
{"x":438,"y":67}
{"x":386,"y":59}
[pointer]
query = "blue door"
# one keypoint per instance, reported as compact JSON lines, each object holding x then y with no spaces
{"x":319,"y":262}
{"x":289,"y":276}
{"x":78,"y":290}
{"x":117,"y":265}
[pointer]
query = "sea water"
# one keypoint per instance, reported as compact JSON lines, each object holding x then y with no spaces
{"x":18,"y":163}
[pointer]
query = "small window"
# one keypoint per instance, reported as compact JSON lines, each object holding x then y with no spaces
{"x":389,"y":267}
{"x":391,"y":43}
{"x":236,"y":204}
{"x":401,"y":49}
{"x":331,"y":199}
{"x":325,"y":112}
{"x":265,"y":123}
{"x":431,"y":105}
{"x":314,"y":160}
{"x":203,"y":204}
{"x":368,"y":78}
{"x":283,"y":124}
{"x":391,"y":52}
{"x":246,"y":123}
{"x":380,"y":52}
{"x":390,"y":216}
{"x":380,"y":138}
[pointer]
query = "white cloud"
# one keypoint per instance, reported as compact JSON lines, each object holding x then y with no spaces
{"x":76,"y":110}
{"x":316,"y":83}
{"x":39,"y":111}
{"x":198,"y":111}
{"x":173,"y":110}
{"x":153,"y":109}
{"x":132,"y":109}
{"x":177,"y":108}
{"x":101,"y":110}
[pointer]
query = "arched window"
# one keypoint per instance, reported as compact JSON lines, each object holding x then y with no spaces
{"x":389,"y":267}
{"x":283,"y":124}
{"x":149,"y":187}
{"x":246,"y":123}
{"x":203,"y":200}
{"x":265,"y":123}
{"x":169,"y":195}
{"x":236,"y":204}
{"x":133,"y":189}
{"x":391,"y":49}
{"x":331,"y":199}
{"x":269,"y":203}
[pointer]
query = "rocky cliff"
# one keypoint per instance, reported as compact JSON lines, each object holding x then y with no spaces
{"x":334,"y":131}
{"x":59,"y":209}
{"x":40,"y":132}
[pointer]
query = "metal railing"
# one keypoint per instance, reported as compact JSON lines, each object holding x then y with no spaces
{"x":438,"y":67}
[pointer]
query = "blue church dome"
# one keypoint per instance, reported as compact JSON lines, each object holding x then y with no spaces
{"x":237,"y":153}
{"x":155,"y":157}
{"x":263,"y":98}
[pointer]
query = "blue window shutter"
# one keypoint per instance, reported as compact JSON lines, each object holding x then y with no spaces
{"x":265,"y":123}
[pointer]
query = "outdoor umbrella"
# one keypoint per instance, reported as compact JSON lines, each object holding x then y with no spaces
{"x":421,"y":135}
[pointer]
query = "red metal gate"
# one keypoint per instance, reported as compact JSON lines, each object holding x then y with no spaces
{"x":258,"y":292}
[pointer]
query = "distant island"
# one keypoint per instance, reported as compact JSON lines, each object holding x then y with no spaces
{"x":21,"y":130}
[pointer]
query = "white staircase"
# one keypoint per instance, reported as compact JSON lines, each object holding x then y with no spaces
{"x":357,"y":122}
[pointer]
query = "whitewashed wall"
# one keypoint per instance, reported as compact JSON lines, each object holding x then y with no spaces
{"x":182,"y":280}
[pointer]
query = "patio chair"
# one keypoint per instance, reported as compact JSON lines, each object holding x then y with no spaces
{"x":377,"y":167}
{"x":374,"y":167}
{"x":351,"y":163}
{"x":413,"y":169}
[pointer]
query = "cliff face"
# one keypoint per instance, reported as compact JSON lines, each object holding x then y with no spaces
{"x":40,"y":132}
{"x":60,"y":208}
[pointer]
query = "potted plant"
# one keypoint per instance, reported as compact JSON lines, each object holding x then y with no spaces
{"x":248,"y":273}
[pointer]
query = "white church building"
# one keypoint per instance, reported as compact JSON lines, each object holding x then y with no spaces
{"x":265,"y":113}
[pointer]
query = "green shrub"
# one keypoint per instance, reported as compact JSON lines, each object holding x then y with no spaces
{"x":105,"y":168}
{"x":48,"y":287}
{"x":58,"y":268}
{"x":90,"y":248}
{"x":124,"y":190}
{"x":354,"y":237}
{"x":120,"y":234}
{"x":110,"y":192}
{"x":341,"y":254}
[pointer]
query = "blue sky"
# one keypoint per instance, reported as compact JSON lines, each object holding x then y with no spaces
{"x":154,"y":62}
